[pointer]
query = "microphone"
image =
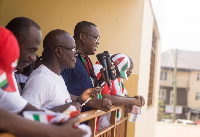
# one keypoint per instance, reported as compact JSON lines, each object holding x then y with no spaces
{"x":108,"y":61}
{"x":102,"y":59}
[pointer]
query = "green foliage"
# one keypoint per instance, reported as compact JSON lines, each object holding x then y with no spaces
{"x":161,"y":110}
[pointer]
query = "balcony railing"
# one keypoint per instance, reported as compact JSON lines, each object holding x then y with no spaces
{"x":115,"y":129}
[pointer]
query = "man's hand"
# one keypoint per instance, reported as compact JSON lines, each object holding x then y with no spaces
{"x":128,"y":108}
{"x":72,"y":128}
{"x":141,"y":98}
{"x":76,"y":104}
{"x":113,"y":68}
{"x":91,"y":92}
{"x":137,"y":102}
{"x":62,"y":108}
{"x":103,"y":77}
{"x":23,"y":127}
{"x":103,"y":104}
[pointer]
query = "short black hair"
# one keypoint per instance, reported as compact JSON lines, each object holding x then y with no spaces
{"x":20,"y":27}
{"x":52,"y":40}
{"x":81,"y":26}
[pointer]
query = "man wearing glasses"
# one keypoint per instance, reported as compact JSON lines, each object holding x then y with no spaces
{"x":45,"y":88}
{"x":82,"y":76}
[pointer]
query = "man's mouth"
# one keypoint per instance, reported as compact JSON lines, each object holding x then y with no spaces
{"x":95,"y":48}
{"x":25,"y":65}
{"x":74,"y":60}
{"x":21,"y":67}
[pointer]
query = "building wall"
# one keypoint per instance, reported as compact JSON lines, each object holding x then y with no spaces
{"x":194,"y":87}
{"x":168,"y":81}
{"x":145,"y":124}
{"x":119,"y":22}
{"x":182,"y":78}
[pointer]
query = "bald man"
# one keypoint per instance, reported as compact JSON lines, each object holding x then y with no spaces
{"x":45,"y":88}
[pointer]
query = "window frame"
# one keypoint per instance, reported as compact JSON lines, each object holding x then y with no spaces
{"x":163,"y":75}
{"x":198,"y":76}
{"x":162,"y":94}
{"x":197,"y":96}
{"x":152,"y":69}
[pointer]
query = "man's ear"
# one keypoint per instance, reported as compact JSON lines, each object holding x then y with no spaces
{"x":81,"y":37}
{"x":58,"y":51}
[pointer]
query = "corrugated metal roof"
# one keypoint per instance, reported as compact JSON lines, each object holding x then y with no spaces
{"x":189,"y":60}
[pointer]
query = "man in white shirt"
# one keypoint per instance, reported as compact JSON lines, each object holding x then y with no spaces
{"x":45,"y":89}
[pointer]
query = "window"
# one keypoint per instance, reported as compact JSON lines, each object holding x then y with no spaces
{"x":197,"y":97}
{"x":198,"y":77}
{"x":162,"y":94}
{"x":152,"y":70}
{"x":171,"y":100}
{"x":163,"y":75}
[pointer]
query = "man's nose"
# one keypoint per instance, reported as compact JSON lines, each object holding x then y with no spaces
{"x":129,"y":71}
{"x":33,"y":57}
{"x":98,"y":42}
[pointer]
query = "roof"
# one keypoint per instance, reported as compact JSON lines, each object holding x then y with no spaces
{"x":186,"y":60}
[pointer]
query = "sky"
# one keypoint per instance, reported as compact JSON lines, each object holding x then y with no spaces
{"x":179,"y":24}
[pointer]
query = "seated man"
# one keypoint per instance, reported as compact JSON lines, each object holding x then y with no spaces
{"x":122,"y":64}
{"x":45,"y":88}
{"x":12,"y":101}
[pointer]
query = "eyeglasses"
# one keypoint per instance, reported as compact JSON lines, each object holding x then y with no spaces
{"x":96,"y":37}
{"x":73,"y":50}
